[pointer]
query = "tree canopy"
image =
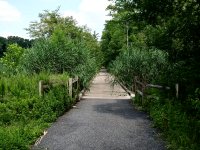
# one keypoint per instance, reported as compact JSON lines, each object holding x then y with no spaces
{"x":5,"y":42}
{"x":171,"y":26}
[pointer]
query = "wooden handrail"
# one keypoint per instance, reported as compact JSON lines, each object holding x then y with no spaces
{"x":140,"y":83}
{"x":158,"y":86}
{"x":70,"y":84}
{"x":74,"y":80}
{"x":141,"y":89}
{"x":139,"y":92}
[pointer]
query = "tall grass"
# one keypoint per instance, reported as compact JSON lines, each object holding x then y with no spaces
{"x":23,"y":113}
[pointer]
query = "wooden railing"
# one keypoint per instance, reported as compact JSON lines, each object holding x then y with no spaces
{"x":72,"y":85}
{"x":139,"y":88}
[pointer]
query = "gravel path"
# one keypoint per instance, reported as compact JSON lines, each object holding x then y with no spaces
{"x":103,"y":120}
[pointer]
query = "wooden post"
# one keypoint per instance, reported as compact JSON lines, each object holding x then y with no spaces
{"x":70,"y":87}
{"x":143,"y":93}
{"x":135,"y":84}
{"x":76,"y":82}
{"x":77,"y":87}
{"x":41,"y":90}
{"x":127,"y":40}
{"x":177,"y":89}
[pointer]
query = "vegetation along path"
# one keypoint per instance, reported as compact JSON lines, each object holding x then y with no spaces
{"x":104,"y":120}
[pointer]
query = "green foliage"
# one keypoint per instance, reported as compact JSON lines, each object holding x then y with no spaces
{"x":148,"y":65}
{"x":4,"y":42}
{"x":181,"y":129}
{"x":52,"y":20}
{"x":11,"y":58}
{"x":171,"y":27}
{"x":62,"y":46}
{"x":48,"y":56}
{"x":23,"y":113}
{"x":112,"y":41}
{"x":17,"y":137}
{"x":192,"y":104}
{"x":59,"y":53}
{"x":3,"y":45}
{"x":24,"y":43}
{"x":44,"y":28}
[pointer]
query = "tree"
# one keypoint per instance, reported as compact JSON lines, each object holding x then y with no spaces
{"x":4,"y":42}
{"x":112,"y":40}
{"x":171,"y":26}
{"x":24,"y":43}
{"x":11,"y":58}
{"x":157,"y":27}
{"x":3,"y":45}
{"x":45,"y":27}
{"x":61,"y":45}
{"x":49,"y":21}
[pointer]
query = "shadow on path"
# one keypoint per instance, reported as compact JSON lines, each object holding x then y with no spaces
{"x":121,"y":108}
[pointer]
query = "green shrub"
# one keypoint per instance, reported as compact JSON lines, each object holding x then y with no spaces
{"x":9,"y":63}
{"x":180,"y":128}
{"x":21,"y":136}
{"x":56,"y":54}
{"x":23,"y":113}
{"x":148,"y":65}
{"x":59,"y":54}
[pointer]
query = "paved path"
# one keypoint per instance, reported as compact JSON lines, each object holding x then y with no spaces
{"x":103,"y":120}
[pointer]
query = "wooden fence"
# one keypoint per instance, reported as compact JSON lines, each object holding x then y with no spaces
{"x":72,"y":85}
{"x":140,"y":88}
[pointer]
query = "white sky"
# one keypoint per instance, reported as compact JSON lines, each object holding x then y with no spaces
{"x":15,"y":15}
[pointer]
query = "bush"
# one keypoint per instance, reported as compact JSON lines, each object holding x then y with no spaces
{"x":179,"y":128}
{"x":23,"y":113}
{"x":45,"y":55}
{"x":9,"y":63}
{"x":148,"y":65}
{"x":178,"y":122}
{"x":59,"y":54}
